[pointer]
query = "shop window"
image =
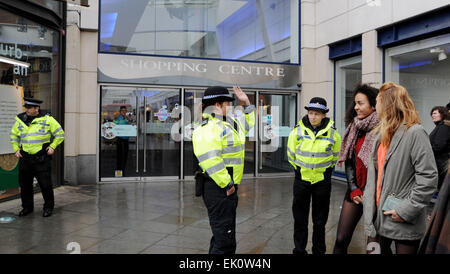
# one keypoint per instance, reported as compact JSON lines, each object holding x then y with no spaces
{"x":348,"y":75}
{"x":423,"y":68}
{"x":254,"y":30}
{"x":29,"y":67}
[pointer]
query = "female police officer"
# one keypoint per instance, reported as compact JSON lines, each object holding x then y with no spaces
{"x":219,"y":145}
{"x":313,"y":149}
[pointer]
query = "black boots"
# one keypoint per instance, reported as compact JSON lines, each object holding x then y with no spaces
{"x":47,"y":212}
{"x":25,"y":212}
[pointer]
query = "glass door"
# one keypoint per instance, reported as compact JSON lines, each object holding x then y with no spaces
{"x":276,"y":118}
{"x":160,"y":149}
{"x":136,"y":139}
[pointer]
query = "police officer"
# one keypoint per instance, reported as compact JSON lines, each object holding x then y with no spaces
{"x":31,"y":138}
{"x":219,"y":146}
{"x":313,"y":149}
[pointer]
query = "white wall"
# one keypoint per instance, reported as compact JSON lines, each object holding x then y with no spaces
{"x":339,"y":19}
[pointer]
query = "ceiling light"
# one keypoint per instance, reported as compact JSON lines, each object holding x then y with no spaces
{"x":442,"y":56}
{"x":14,"y":62}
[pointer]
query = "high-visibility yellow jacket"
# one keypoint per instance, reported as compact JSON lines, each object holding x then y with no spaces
{"x":313,"y":153}
{"x":40,"y":131}
{"x":219,"y":145}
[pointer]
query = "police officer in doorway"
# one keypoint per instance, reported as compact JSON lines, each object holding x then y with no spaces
{"x":31,"y":138}
{"x":219,"y":146}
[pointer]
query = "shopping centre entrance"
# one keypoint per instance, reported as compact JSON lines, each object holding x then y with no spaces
{"x":145,"y":132}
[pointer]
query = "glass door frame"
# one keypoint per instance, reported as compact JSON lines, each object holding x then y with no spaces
{"x":182,"y":176}
{"x":257,"y":130}
{"x":140,"y":177}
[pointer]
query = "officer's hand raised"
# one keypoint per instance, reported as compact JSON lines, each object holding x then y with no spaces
{"x":50,"y":151}
{"x":241,"y":95}
{"x":18,"y":154}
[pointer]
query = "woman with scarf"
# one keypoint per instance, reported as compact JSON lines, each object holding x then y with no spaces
{"x":360,"y":118}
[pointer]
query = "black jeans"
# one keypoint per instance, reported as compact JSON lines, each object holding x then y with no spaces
{"x":222,"y":217}
{"x":320,"y":193}
{"x":122,"y":154}
{"x":29,"y":169}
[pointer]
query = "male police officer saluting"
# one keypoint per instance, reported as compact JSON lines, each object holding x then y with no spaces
{"x":30,"y":139}
{"x":219,"y":145}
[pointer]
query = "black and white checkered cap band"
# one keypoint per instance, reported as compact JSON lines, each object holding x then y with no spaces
{"x":31,"y":103}
{"x":217,"y":95}
{"x":317,"y":105}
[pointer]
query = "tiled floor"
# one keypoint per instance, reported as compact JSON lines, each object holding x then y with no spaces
{"x":161,"y":218}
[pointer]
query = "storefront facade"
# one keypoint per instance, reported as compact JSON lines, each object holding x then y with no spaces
{"x":406,"y":42}
{"x":158,"y":65}
{"x":31,"y":58}
{"x":157,"y":57}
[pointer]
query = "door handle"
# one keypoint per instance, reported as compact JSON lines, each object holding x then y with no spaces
{"x":137,"y":134}
{"x":261,"y":131}
{"x":145,"y":134}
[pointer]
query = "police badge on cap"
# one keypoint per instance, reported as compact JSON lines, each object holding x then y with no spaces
{"x":30,"y":102}
{"x":216,"y":94}
{"x":317,"y":104}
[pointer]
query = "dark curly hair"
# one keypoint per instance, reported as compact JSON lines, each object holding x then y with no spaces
{"x":442,"y":110}
{"x":365,"y":89}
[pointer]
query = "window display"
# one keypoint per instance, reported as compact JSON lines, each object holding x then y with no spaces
{"x":29,"y":67}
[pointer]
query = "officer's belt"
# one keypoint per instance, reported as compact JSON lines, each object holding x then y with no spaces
{"x":40,"y":153}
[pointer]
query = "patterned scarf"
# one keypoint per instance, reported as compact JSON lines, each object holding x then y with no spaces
{"x":351,"y":134}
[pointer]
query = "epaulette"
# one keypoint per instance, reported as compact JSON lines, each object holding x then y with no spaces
{"x":204,"y":122}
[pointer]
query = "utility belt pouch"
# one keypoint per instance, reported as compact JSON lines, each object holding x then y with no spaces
{"x":42,"y":156}
{"x":199,"y":184}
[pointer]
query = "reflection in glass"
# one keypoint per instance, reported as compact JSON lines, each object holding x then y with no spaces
{"x":226,"y":29}
{"x":276,"y":117}
{"x":348,"y":75}
{"x":161,"y":148}
{"x":423,"y":68}
{"x":141,"y":143}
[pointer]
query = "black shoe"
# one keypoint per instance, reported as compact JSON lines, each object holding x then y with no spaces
{"x":47,"y":212}
{"x":25,"y":212}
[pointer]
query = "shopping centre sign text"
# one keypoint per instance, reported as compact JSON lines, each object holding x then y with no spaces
{"x":164,"y":70}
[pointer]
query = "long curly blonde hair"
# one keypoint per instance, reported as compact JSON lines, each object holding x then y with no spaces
{"x":394,"y":108}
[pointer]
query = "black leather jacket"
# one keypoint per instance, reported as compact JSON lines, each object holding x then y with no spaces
{"x":350,"y":169}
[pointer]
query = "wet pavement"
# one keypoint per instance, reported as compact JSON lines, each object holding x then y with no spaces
{"x":161,"y":218}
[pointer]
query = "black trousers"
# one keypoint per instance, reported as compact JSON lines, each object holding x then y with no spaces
{"x":222,"y":217}
{"x":320,"y":193}
{"x":122,"y":154}
{"x":29,"y":169}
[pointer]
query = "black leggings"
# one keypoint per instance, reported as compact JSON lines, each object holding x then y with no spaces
{"x":401,"y":247}
{"x":350,"y":215}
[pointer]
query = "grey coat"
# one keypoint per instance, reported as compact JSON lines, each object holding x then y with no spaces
{"x":410,"y":173}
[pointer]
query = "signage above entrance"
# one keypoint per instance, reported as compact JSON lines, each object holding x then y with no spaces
{"x":134,"y":69}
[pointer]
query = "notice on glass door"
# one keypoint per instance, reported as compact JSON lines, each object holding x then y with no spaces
{"x":11,"y":99}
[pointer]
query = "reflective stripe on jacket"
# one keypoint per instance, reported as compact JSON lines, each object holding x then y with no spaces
{"x":31,"y":138}
{"x":313,"y":153}
{"x":218,"y":144}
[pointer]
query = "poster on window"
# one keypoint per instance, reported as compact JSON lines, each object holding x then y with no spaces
{"x":11,"y":102}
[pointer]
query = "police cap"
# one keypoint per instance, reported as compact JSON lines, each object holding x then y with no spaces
{"x":216,"y":94}
{"x":30,"y":102}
